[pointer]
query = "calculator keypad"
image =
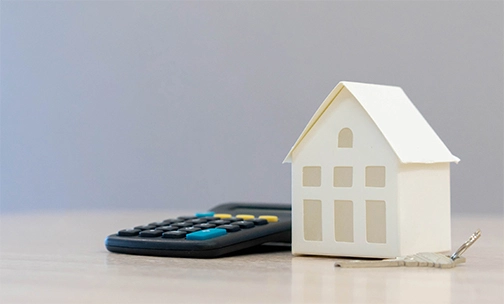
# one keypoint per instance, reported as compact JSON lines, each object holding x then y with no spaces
{"x":202,"y":226}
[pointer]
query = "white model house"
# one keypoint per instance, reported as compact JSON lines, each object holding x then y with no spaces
{"x":370,"y":177}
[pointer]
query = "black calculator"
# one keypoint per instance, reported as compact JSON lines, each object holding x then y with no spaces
{"x":223,"y":230}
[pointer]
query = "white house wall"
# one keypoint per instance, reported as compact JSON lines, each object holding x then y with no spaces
{"x":320,"y":148}
{"x":424,"y":212}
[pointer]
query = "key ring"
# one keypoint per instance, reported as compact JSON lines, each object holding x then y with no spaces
{"x":457,"y":254}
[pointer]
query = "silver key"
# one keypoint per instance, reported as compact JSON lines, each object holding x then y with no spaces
{"x":422,"y":259}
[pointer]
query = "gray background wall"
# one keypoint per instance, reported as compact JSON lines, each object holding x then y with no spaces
{"x":186,"y":104}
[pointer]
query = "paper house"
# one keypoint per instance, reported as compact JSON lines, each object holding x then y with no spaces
{"x":370,"y":177}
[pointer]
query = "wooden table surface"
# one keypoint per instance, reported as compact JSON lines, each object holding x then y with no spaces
{"x":61,"y":258}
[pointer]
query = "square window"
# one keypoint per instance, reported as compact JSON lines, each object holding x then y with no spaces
{"x":375,"y":176}
{"x":343,"y":176}
{"x":311,"y":176}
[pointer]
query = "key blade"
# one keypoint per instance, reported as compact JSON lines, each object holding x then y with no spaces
{"x":369,"y":263}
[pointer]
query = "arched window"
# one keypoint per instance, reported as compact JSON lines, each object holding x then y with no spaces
{"x":345,"y":138}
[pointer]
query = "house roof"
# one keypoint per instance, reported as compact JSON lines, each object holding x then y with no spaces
{"x":408,"y":133}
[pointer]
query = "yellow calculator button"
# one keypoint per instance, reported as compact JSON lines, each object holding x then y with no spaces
{"x":270,"y":218}
{"x":222,"y":215}
{"x":245,"y":216}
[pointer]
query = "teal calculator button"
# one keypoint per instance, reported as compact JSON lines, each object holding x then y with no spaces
{"x":206,"y":234}
{"x":204,"y":214}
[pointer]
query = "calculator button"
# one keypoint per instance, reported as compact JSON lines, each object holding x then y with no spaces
{"x":167,"y":228}
{"x":171,"y":221}
{"x":219,"y":222}
{"x":145,"y":227}
{"x":234,"y":219}
{"x":182,"y":225}
{"x":259,"y":221}
{"x":210,"y":218}
{"x":270,"y":218}
{"x":197,"y":221}
{"x":205,"y":226}
{"x":222,"y":215}
{"x":245,"y":216}
{"x":206,"y":234}
{"x":158,"y":224}
{"x":129,"y":232}
{"x":204,"y":214}
{"x":230,"y":228}
{"x":244,"y":224}
{"x":190,"y":229}
{"x":151,"y":233}
{"x":185,"y":218}
{"x":174,"y":235}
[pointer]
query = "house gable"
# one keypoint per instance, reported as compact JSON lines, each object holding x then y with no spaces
{"x":322,"y":147}
{"x":406,"y":131}
{"x":330,"y":211}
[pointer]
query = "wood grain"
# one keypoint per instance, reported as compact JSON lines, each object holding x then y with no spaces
{"x":61,"y":258}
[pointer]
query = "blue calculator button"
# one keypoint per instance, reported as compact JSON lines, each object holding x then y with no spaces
{"x":204,"y":214}
{"x":206,"y":234}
